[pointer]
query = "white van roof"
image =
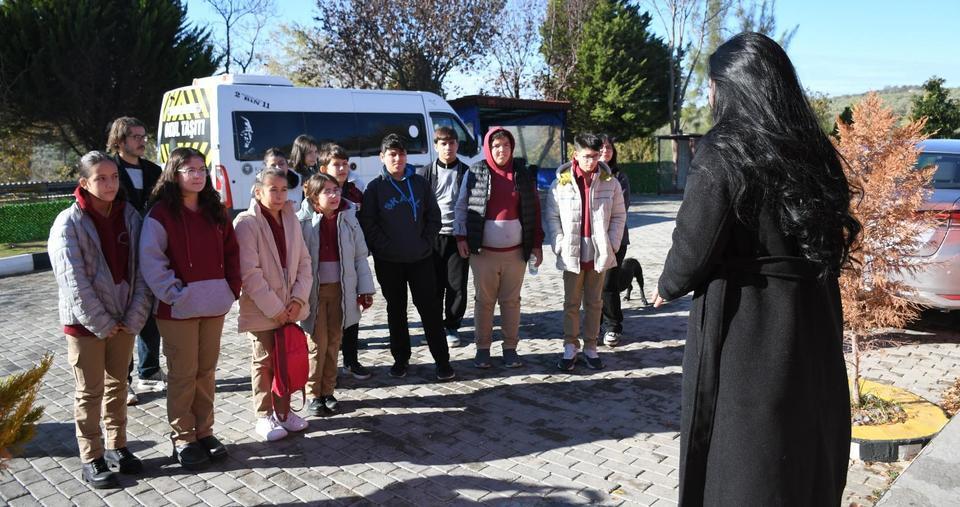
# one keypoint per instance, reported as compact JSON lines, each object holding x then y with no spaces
{"x":242,"y":79}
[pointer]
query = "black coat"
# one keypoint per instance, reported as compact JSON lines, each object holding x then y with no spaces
{"x":151,"y":173}
{"x":765,"y":417}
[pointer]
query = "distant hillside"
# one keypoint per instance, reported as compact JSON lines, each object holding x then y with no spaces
{"x":898,"y":97}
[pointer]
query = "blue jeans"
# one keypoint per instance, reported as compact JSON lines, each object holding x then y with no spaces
{"x":148,"y":350}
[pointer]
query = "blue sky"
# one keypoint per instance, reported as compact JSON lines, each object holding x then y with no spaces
{"x":841,"y":47}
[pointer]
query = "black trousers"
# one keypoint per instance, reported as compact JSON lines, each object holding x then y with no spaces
{"x":612,"y":313}
{"x":451,"y":273}
{"x":394,"y":278}
{"x":349,"y":344}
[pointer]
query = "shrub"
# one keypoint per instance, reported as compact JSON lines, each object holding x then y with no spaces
{"x":18,"y":416}
{"x":29,"y":221}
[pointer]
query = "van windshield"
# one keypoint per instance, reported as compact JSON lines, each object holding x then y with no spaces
{"x":359,"y":133}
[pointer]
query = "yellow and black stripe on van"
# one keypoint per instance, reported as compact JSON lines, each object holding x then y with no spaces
{"x":185,"y":122}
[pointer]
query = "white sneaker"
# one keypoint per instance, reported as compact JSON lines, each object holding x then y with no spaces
{"x":131,"y":396}
{"x":453,"y":338}
{"x":294,"y":423}
{"x":611,"y":339}
{"x":269,"y":428}
{"x":154,"y":383}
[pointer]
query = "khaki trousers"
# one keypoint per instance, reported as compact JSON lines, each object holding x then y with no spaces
{"x":100,"y":369}
{"x":261,"y":375}
{"x":497,"y":277}
{"x":585,"y":287}
{"x":325,"y":340}
{"x":192,"y":348}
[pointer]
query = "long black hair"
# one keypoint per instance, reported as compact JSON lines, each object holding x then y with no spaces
{"x":168,"y":191}
{"x":775,"y":154}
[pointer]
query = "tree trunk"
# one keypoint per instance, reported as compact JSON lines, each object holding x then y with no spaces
{"x":855,"y":350}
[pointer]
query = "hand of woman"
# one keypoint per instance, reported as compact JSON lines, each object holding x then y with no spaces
{"x":281,"y":317}
{"x":657,"y":300}
{"x":365,"y":300}
{"x":462,"y":248}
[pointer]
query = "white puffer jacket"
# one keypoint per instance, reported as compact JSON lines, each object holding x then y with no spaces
{"x":355,"y":276}
{"x":88,"y":296}
{"x":563,"y":218}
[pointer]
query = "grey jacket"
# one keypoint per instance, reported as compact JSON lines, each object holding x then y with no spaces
{"x":88,"y":296}
{"x":355,"y":276}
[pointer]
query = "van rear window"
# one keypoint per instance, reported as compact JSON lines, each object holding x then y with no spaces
{"x":359,"y":133}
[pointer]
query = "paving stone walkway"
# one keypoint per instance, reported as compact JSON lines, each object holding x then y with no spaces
{"x":529,"y":436}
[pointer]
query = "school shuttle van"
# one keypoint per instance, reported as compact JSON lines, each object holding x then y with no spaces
{"x":234,"y":118}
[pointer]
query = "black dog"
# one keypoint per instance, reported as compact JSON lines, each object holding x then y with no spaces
{"x":631,"y":270}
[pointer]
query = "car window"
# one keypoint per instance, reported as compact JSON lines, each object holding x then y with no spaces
{"x":466,"y":145}
{"x":947,"y":174}
{"x":256,"y":131}
{"x":373,"y":127}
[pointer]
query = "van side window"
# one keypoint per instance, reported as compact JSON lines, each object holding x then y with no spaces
{"x":466,"y":145}
{"x":373,"y":127}
{"x":255,"y":131}
{"x":340,"y":128}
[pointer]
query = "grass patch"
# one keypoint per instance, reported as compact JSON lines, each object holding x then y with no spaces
{"x":11,"y":249}
{"x":874,"y":410}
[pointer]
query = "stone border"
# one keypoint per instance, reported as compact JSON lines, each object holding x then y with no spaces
{"x":24,"y":263}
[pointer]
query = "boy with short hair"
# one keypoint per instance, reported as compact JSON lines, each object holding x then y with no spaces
{"x":400,"y":220}
{"x":585,"y":217}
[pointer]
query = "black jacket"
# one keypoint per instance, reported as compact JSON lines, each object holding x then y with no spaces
{"x":765,"y":411}
{"x":151,"y":173}
{"x":397,"y":230}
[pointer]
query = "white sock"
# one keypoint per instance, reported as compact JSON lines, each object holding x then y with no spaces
{"x":570,"y":350}
{"x":591,"y":352}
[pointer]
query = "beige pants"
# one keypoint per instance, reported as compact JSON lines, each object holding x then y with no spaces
{"x":325,"y":340}
{"x":497,"y":277}
{"x":100,"y":369}
{"x":192,"y":348}
{"x":261,"y":375}
{"x":585,"y":287}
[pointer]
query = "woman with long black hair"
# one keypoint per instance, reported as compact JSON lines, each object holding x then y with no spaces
{"x":762,"y":234}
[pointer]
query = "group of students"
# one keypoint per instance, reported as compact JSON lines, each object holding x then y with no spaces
{"x":138,"y":247}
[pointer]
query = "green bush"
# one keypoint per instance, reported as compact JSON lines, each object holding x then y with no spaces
{"x":29,"y":221}
{"x":644,"y":177}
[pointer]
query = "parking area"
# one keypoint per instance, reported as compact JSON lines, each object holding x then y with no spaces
{"x":527,"y":436}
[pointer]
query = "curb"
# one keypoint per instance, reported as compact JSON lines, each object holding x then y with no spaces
{"x":24,"y":263}
{"x":901,"y":441}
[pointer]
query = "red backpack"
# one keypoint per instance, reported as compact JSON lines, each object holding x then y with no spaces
{"x":291,"y":365}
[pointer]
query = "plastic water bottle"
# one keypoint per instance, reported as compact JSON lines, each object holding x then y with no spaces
{"x":532,"y":266}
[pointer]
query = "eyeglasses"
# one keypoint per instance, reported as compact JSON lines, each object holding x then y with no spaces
{"x":332,"y":192}
{"x":193,"y":173}
{"x":138,"y":137}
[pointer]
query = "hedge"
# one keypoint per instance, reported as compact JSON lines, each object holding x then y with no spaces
{"x":29,"y":221}
{"x":645,"y":178}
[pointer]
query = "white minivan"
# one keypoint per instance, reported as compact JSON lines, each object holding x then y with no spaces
{"x":234,"y":118}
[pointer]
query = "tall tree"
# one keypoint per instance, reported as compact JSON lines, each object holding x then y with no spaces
{"x":621,"y":78}
{"x":758,"y":16}
{"x":942,"y":112}
{"x":515,"y":47}
{"x":400,"y":44}
{"x":243,"y":23}
{"x":686,"y":24}
{"x":880,"y":158}
{"x":560,"y":39}
{"x":90,"y":61}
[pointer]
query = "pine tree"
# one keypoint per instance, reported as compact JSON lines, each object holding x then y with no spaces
{"x":18,"y":416}
{"x":942,"y":112}
{"x":620,"y":82}
{"x":880,"y":161}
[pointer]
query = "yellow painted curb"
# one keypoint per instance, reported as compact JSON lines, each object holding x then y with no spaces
{"x":924,"y":419}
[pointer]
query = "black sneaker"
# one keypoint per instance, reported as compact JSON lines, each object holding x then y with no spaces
{"x":316,"y":407}
{"x":445,"y":372}
{"x":398,"y":370}
{"x":330,"y":404}
{"x":123,"y":461}
{"x":567,"y":364}
{"x":358,"y":371}
{"x":192,"y":456}
{"x":98,"y":475}
{"x":214,"y":447}
{"x":594,"y":363}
